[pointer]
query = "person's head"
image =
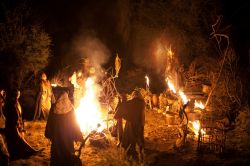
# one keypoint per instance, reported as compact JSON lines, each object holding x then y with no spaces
{"x":58,"y":91}
{"x":43,"y":76}
{"x":137,"y":94}
{"x":2,"y":93}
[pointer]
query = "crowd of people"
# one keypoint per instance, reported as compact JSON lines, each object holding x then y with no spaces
{"x":56,"y":107}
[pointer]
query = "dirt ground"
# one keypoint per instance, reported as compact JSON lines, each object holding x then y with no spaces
{"x":159,"y":148}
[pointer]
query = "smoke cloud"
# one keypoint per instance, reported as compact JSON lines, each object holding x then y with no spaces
{"x":91,"y":48}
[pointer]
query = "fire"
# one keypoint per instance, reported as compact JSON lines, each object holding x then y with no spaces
{"x":170,"y":85}
{"x":147,"y":81}
{"x":170,"y":52}
{"x":73,"y":80}
{"x":54,"y":85}
{"x":79,"y":74}
{"x":183,"y":97}
{"x":181,"y":93}
{"x":196,"y":127}
{"x":89,"y":113}
{"x":198,"y":104}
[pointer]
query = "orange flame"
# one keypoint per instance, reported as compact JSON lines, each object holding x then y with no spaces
{"x":73,"y":80}
{"x":89,"y":113}
{"x":170,"y":85}
{"x":198,"y":104}
{"x":183,"y":97}
{"x":196,"y":127}
{"x":147,"y":80}
{"x":170,"y":52}
{"x":54,"y":85}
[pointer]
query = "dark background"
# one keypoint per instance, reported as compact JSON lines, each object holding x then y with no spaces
{"x":70,"y":21}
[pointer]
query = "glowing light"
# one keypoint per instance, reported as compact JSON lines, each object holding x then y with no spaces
{"x":196,"y":127}
{"x":147,"y":80}
{"x":89,"y":113}
{"x":183,"y":97}
{"x":54,"y":85}
{"x":170,"y":52}
{"x":198,"y":104}
{"x":73,"y":80}
{"x":171,"y":85}
{"x":79,"y":74}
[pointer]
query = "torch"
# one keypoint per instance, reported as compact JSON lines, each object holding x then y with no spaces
{"x":147,"y":83}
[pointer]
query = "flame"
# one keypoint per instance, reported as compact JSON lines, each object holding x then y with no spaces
{"x":54,"y":85}
{"x":196,"y":127}
{"x":147,"y":80}
{"x":170,"y":52}
{"x":89,"y":113}
{"x":170,"y":85}
{"x":73,"y":80}
{"x":198,"y":104}
{"x":181,"y":93}
{"x":79,"y":74}
{"x":183,"y":97}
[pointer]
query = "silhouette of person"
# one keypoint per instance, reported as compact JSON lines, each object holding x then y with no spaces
{"x":62,"y":130}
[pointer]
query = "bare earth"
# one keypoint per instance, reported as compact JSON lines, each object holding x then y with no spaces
{"x":159,"y":148}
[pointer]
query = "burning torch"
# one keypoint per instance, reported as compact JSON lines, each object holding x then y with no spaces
{"x":147,"y":83}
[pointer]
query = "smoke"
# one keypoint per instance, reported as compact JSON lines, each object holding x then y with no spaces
{"x":150,"y":51}
{"x":91,"y":48}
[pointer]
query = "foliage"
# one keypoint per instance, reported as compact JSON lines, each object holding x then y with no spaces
{"x":222,"y":73}
{"x":24,"y":48}
{"x":185,"y":25}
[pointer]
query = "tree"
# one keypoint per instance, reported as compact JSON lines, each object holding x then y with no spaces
{"x":24,"y":47}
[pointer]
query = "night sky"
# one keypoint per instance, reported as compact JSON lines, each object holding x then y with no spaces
{"x":68,"y":22}
{"x":65,"y":19}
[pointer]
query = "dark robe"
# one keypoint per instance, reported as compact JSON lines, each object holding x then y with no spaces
{"x":17,"y":145}
{"x":133,"y":112}
{"x":62,"y":129}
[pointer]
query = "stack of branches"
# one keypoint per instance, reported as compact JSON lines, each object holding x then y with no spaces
{"x":109,"y":91}
{"x":226,"y":85}
{"x":221,"y":73}
{"x":199,"y":72}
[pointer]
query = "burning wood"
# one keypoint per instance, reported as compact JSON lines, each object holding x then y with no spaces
{"x":89,"y":112}
{"x":170,"y":85}
{"x":198,"y":104}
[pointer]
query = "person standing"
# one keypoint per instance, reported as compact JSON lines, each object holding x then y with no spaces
{"x":133,"y":133}
{"x":18,"y":147}
{"x":44,"y":99}
{"x":62,"y":130}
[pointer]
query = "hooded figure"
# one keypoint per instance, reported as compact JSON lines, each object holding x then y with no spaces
{"x":17,"y":145}
{"x":62,"y":130}
{"x":133,"y":112}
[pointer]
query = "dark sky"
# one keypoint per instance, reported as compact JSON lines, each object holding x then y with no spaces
{"x":65,"y":20}
{"x":237,"y":14}
{"x":68,"y":21}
